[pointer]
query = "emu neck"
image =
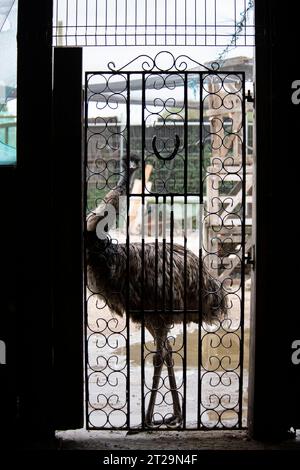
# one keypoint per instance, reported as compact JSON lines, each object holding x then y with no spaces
{"x":125,"y":176}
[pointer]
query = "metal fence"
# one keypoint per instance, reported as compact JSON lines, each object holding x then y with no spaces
{"x":153,"y":22}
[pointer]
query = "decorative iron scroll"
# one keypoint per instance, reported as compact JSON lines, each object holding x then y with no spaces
{"x":172,"y":155}
{"x":164,"y":61}
{"x":187,"y":130}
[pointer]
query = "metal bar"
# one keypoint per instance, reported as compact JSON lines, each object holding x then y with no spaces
{"x":135,"y":22}
{"x":156,"y":253}
{"x":185,"y":245}
{"x":235,"y":21}
{"x":243,"y":228}
{"x":173,"y":194}
{"x":106,"y":23}
{"x":126,"y":22}
{"x":116,"y":19}
{"x":86,"y":21}
{"x":143,"y":259}
{"x":146,"y":23}
{"x":245,"y":25}
{"x":67,"y":20}
{"x":195,"y":41}
{"x":128,"y":252}
{"x":185,"y":23}
{"x":215,"y":11}
{"x":155,"y":23}
{"x":84,"y":251}
{"x":76,"y":22}
{"x":164,"y":254}
{"x":57,"y":22}
{"x":145,"y":72}
{"x":175,"y":22}
{"x":166,"y":6}
{"x":200,"y":251}
{"x":205,"y":22}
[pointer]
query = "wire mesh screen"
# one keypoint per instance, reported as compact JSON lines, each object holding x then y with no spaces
{"x":153,"y":22}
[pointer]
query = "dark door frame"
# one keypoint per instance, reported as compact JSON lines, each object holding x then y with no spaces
{"x":35,"y":246}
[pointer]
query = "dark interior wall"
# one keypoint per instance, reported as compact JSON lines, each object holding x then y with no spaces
{"x":26,"y":224}
{"x":8,"y":258}
{"x":274,"y":380}
{"x":285,"y":160}
{"x":34,"y":247}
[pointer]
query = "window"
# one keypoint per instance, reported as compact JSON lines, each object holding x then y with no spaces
{"x":8,"y":81}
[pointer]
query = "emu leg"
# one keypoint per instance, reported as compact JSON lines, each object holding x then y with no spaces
{"x":163,"y":355}
{"x":177,"y":418}
{"x":158,"y":361}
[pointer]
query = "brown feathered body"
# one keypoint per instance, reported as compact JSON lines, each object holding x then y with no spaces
{"x":163,"y":279}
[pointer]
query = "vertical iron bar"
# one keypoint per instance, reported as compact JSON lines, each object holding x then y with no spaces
{"x":175,"y":22}
{"x":163,"y":307}
{"x":156,"y":251}
{"x":171,"y":255}
{"x":67,"y":16}
{"x":105,"y":23}
{"x":164,"y":247}
{"x":116,"y":22}
{"x":185,"y":243}
{"x":126,"y":13}
{"x":67,"y":20}
{"x":86,"y":21}
{"x":245,"y":26}
{"x":166,"y":21}
{"x":171,"y":252}
{"x":96,"y":19}
{"x":243,"y":208}
{"x":128,"y":252}
{"x":215,"y":22}
{"x":200,"y":251}
{"x":234,"y":22}
{"x":135,"y":22}
{"x":195,"y":41}
{"x":205,"y":22}
{"x":143,"y":254}
{"x":76,"y":22}
{"x":146,"y":12}
{"x":185,"y":23}
{"x":86,"y":362}
{"x":56,"y":24}
{"x":155,"y":34}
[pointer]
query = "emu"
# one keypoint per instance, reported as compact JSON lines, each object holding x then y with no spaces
{"x":186,"y":288}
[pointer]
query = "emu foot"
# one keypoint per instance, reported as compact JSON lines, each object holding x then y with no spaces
{"x":170,"y":421}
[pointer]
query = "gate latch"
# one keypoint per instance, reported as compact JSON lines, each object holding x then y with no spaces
{"x":249,"y":97}
{"x":249,"y":260}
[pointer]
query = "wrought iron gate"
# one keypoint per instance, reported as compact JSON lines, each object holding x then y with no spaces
{"x":183,"y":125}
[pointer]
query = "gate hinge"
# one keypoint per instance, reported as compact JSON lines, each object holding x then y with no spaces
{"x":249,"y":260}
{"x":249,"y":97}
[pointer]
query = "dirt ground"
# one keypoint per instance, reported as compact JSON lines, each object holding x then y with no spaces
{"x":166,"y":440}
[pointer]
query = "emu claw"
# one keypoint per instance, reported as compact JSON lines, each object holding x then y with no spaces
{"x":170,"y":421}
